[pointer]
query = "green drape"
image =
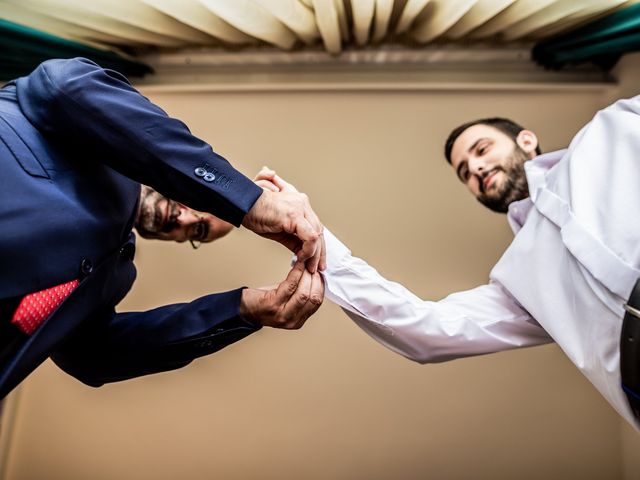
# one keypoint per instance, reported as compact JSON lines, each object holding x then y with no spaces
{"x":23,"y":48}
{"x":601,"y":42}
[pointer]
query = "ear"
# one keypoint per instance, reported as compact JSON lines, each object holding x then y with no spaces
{"x":527,"y":141}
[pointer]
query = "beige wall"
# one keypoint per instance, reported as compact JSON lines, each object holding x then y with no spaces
{"x":327,"y":401}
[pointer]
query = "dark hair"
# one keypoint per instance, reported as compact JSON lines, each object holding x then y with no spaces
{"x":510,"y":128}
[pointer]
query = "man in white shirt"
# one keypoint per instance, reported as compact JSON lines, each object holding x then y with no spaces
{"x":566,"y":277}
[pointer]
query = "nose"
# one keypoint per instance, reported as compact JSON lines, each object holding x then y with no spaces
{"x":186,"y":216}
{"x":477,"y":166}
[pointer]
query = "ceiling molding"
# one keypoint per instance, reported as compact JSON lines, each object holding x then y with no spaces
{"x":444,"y":67}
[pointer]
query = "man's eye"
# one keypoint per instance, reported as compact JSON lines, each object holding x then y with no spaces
{"x":199,"y":231}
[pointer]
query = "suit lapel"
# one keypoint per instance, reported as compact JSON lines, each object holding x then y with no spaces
{"x":88,"y":296}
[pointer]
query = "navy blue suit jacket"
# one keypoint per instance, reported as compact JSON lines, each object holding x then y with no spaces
{"x":76,"y":141}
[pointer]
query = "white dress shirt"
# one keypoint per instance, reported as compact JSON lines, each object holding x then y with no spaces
{"x":564,"y":278}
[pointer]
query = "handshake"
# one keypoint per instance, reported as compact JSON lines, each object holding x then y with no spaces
{"x":283,"y":214}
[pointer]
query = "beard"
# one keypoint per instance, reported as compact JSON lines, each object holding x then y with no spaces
{"x":513,"y":188}
{"x":156,"y":213}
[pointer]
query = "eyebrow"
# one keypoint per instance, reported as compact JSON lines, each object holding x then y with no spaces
{"x":472,"y":147}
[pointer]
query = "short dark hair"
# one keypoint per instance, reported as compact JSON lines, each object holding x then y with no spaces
{"x":510,"y":128}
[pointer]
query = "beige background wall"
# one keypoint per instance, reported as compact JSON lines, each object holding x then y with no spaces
{"x":327,"y":401}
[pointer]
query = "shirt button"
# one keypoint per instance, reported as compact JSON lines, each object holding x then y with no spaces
{"x":209,"y":177}
{"x":200,"y":172}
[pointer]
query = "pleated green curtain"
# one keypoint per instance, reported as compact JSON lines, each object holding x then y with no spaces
{"x":23,"y":48}
{"x":602,"y":42}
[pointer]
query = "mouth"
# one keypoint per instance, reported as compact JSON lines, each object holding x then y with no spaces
{"x":161,"y":215}
{"x":489,"y":180}
{"x":167,"y":213}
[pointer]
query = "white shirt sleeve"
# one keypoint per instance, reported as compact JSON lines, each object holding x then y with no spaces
{"x":482,"y":320}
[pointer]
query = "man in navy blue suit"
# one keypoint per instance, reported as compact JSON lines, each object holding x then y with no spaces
{"x":85,"y":158}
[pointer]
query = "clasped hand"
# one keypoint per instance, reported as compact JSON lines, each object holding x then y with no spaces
{"x":287,"y":305}
{"x":287,"y":217}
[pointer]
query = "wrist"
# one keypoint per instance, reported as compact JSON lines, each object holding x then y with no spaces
{"x":247,"y":302}
{"x":250,"y":219}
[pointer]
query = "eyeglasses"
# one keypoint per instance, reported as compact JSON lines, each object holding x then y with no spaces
{"x":200,"y":232}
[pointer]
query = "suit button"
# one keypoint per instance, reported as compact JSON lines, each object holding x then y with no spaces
{"x":86,"y":266}
{"x":200,"y":172}
{"x":127,"y":251}
{"x":209,"y":177}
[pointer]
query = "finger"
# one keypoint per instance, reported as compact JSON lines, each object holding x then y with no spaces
{"x":316,"y":296}
{"x":282,"y":184}
{"x":288,"y":287}
{"x":311,"y":216}
{"x":290,"y":241}
{"x":317,"y":291}
{"x":319,"y":254}
{"x":322,"y":265}
{"x":312,"y":263}
{"x":307,"y":234}
{"x":294,"y":312}
{"x":265,"y":173}
{"x":267,"y":185}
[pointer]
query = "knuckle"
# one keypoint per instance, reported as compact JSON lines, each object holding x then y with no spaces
{"x":302,"y":298}
{"x":316,"y":300}
{"x":295,"y":324}
{"x":279,"y":322}
{"x":290,"y":288}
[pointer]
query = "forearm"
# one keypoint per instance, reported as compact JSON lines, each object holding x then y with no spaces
{"x":113,"y":347}
{"x":479,"y":321}
{"x":101,"y":112}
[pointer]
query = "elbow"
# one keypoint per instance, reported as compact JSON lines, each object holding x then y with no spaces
{"x":78,"y":370}
{"x":75,"y":78}
{"x":421,"y":353}
{"x":44,"y":94}
{"x":63,"y":74}
{"x":424,"y":358}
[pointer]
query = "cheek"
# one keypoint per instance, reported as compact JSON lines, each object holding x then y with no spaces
{"x":473,"y":186}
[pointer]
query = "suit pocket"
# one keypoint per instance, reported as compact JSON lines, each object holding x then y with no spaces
{"x":20,"y":150}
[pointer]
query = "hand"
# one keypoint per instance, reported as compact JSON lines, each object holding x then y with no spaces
{"x":286,"y":305}
{"x":270,"y":180}
{"x":283,"y":214}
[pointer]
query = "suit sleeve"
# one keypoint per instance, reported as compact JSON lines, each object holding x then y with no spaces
{"x":77,"y":101}
{"x":118,"y":346}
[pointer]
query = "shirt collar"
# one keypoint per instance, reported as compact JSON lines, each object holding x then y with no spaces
{"x":536,"y":170}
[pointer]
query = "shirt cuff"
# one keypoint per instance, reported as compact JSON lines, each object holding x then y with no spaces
{"x":336,"y":250}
